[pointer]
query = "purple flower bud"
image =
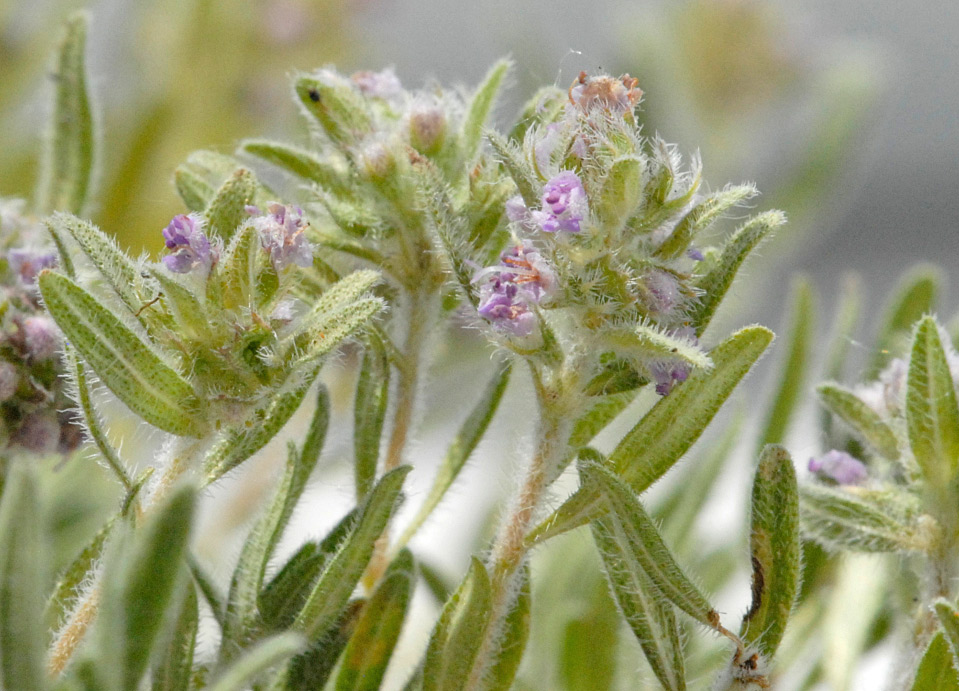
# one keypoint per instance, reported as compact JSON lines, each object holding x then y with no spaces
{"x":668,"y":373}
{"x":190,"y":248}
{"x":383,"y":84}
{"x":618,"y":96}
{"x":27,"y":263}
{"x":661,"y":293}
{"x":39,"y":432}
{"x":840,"y":466}
{"x":9,"y":380}
{"x":427,"y":126}
{"x":516,"y":210}
{"x":564,"y":204}
{"x":695,"y":254}
{"x":41,"y":337}
{"x":281,"y":234}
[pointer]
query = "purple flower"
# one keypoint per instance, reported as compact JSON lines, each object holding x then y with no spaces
{"x":27,"y":263}
{"x":516,"y":210}
{"x":564,"y":204}
{"x":695,"y":254}
{"x":668,"y":373}
{"x":661,"y":293}
{"x":40,"y":337}
{"x":189,"y":245}
{"x":840,"y":466}
{"x":281,"y":234}
{"x":383,"y":84}
{"x":522,"y":278}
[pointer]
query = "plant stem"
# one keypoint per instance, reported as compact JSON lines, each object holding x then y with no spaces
{"x":509,"y":549}
{"x":182,"y":457}
{"x":420,"y":310}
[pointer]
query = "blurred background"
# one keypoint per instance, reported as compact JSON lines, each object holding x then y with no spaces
{"x":845,"y":113}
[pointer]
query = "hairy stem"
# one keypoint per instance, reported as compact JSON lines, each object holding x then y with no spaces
{"x":183,"y":456}
{"x":509,"y":550}
{"x":420,"y":311}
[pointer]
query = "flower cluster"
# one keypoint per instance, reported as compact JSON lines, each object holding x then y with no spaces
{"x":189,"y":246}
{"x":281,"y":234}
{"x":521,"y":280}
{"x":35,"y":414}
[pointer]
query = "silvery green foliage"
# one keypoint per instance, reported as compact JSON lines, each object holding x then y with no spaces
{"x":584,"y":249}
{"x":890,"y":482}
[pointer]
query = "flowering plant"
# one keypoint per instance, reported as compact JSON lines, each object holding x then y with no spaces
{"x":591,"y":258}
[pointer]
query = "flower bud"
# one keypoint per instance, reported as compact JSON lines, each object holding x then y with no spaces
{"x":40,"y":337}
{"x":427,"y":127}
{"x":841,"y":467}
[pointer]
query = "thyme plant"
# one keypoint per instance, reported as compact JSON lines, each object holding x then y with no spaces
{"x":591,"y":257}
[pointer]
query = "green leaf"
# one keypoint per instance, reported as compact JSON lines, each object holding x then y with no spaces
{"x":139,"y":584}
{"x":932,"y":413}
{"x":332,"y":590}
{"x":120,"y":272}
{"x":92,"y":423}
{"x":701,"y":217}
{"x":227,"y":210}
{"x":22,"y":578}
{"x":336,"y":106}
{"x":937,"y":669}
{"x":240,"y":268}
{"x":668,"y":430}
{"x":863,"y":420}
{"x":283,"y":597}
{"x":240,"y":442}
{"x":793,"y":376}
{"x":621,"y":192}
{"x":527,"y":183}
{"x":175,"y":668}
{"x":369,"y":413}
{"x":948,"y":617}
{"x":378,"y":628}
{"x":123,"y":361}
{"x":646,"y":343}
{"x":258,"y":660}
{"x":313,"y":669}
{"x":79,"y":570}
{"x":462,"y":623}
{"x":775,"y":548}
{"x":338,"y":313}
{"x":590,"y":644}
{"x":915,"y":296}
{"x":214,"y":598}
{"x":639,"y":541}
{"x":841,"y":520}
{"x":514,"y":637}
{"x":479,"y":109}
{"x":181,"y":299}
{"x":715,"y":284}
{"x":299,"y":162}
{"x":241,"y":609}
{"x":462,"y":446}
{"x":195,"y":192}
{"x":67,"y":165}
{"x":647,"y":612}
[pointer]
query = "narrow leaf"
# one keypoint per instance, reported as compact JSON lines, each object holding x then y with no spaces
{"x":513,"y":639}
{"x":227,"y":209}
{"x":22,"y":578}
{"x":646,"y":343}
{"x":636,"y":534}
{"x":863,"y":420}
{"x":297,"y":161}
{"x":214,"y":598}
{"x":67,"y":164}
{"x":256,"y":661}
{"x":335,"y":585}
{"x":336,"y":106}
{"x":174,"y":671}
{"x":369,"y":413}
{"x":76,"y":573}
{"x":522,"y":173}
{"x":648,"y":614}
{"x":937,"y":669}
{"x":479,"y":109}
{"x":701,"y":217}
{"x":932,"y":412}
{"x":125,"y":363}
{"x":378,"y":628}
{"x":195,"y":192}
{"x":792,"y":378}
{"x":453,"y":644}
{"x":621,"y":192}
{"x":717,"y":281}
{"x":948,"y":617}
{"x":915,"y":295}
{"x":463,"y":445}
{"x":843,"y":521}
{"x":775,"y":548}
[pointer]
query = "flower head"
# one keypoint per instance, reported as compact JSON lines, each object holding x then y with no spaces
{"x":839,"y":466}
{"x":281,"y":234}
{"x":26,"y":263}
{"x":564,"y":204}
{"x":617,"y":96}
{"x":190,"y":248}
{"x":521,"y":279}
